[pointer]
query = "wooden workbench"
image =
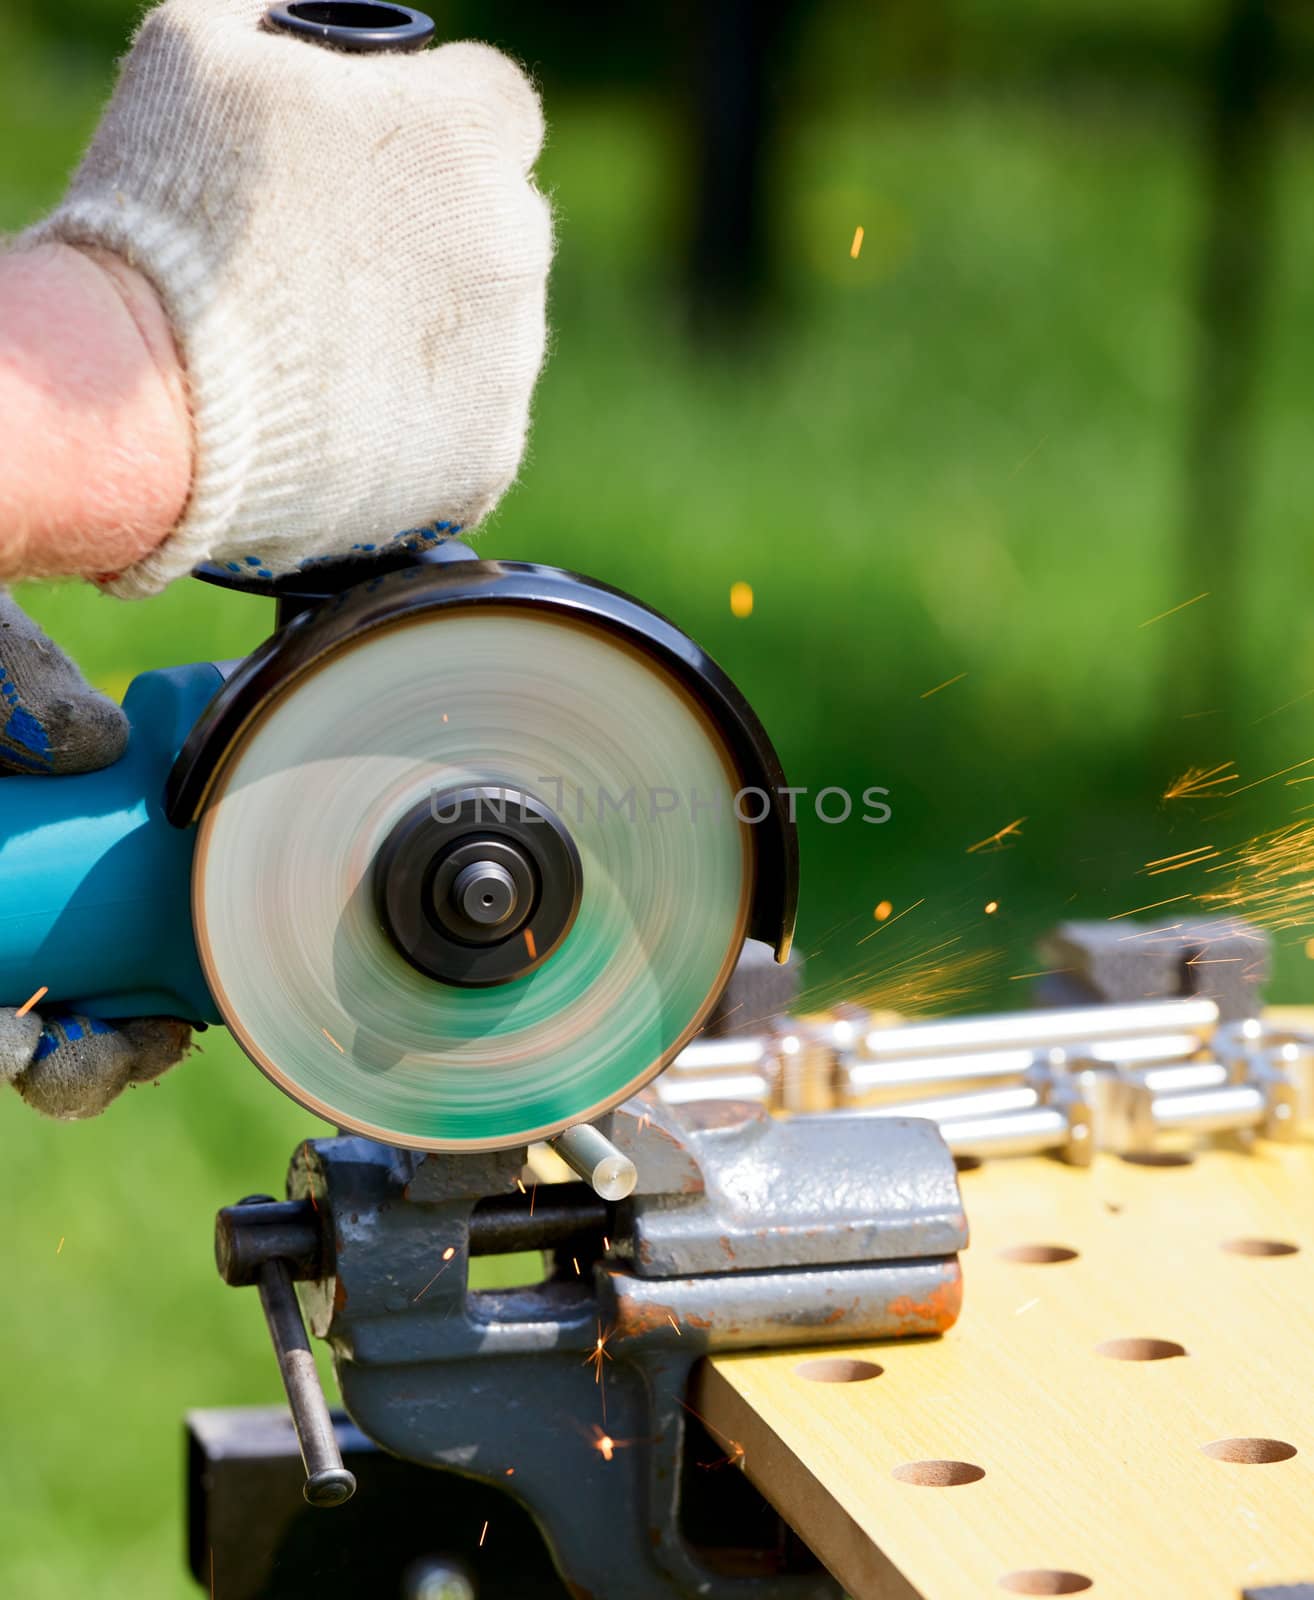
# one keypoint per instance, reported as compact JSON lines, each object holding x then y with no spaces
{"x":1035,"y":1448}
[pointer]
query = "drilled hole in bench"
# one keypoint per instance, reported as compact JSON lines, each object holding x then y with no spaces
{"x":1260,"y":1247}
{"x":1159,"y":1158}
{"x":838,"y":1369}
{"x":1140,"y":1349}
{"x":1039,"y":1254}
{"x":1250,"y":1452}
{"x":939,"y":1474}
{"x":1045,"y":1580}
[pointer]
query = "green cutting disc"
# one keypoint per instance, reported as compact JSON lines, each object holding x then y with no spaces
{"x":310,"y":982}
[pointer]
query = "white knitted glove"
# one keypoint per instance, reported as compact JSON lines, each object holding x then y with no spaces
{"x":354,"y":259}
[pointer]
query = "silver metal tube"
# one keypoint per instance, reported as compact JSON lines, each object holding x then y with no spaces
{"x":1038,"y":1030}
{"x":1152,"y":1047}
{"x":1189,"y":1078}
{"x":592,"y":1155}
{"x":328,"y":1482}
{"x":984,"y":1066}
{"x":677,"y":1089}
{"x":1021,"y":1133}
{"x":1005,"y":1122}
{"x":1238,"y":1105}
{"x":962,"y":1107}
{"x":717,"y":1055}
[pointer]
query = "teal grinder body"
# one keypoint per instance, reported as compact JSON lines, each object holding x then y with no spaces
{"x":95,"y":882}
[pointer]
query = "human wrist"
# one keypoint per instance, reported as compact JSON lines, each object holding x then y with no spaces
{"x":97,"y":463}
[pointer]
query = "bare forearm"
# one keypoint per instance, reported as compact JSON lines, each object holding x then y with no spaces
{"x":95,"y":437}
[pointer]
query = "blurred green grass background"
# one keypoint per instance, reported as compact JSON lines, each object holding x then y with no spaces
{"x":962,"y":453}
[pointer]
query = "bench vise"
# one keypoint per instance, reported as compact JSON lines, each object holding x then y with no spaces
{"x":569,"y":1395}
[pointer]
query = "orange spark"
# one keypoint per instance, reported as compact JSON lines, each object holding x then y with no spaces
{"x":1184,"y":858}
{"x":1163,"y":934}
{"x":735,"y":1449}
{"x":599,"y":1352}
{"x":604,"y":1443}
{"x":520,"y":1184}
{"x":530,"y":945}
{"x":1271,"y":879}
{"x":945,"y":685}
{"x":855,"y":249}
{"x":888,"y":921}
{"x":928,"y":980}
{"x":446,"y":1258}
{"x":32,"y":1000}
{"x":483,"y":1534}
{"x":1173,"y":610}
{"x":333,"y":1041}
{"x":741,"y":599}
{"x":882,"y":910}
{"x":1044,"y":438}
{"x":1280,"y":773}
{"x":60,"y":1245}
{"x":1153,"y":906}
{"x":1285,"y":706}
{"x":444,"y":716}
{"x":1196,"y":781}
{"x":510,"y":1472}
{"x":991,"y":906}
{"x":1008,"y":831}
{"x":676,"y":1325}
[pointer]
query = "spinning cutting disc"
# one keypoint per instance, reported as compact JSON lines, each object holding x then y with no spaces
{"x":285,"y":900}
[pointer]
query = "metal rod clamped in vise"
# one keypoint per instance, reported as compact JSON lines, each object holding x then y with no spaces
{"x":262,"y":1241}
{"x":609,"y":1172}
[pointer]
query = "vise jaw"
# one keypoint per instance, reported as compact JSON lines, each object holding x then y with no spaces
{"x":569,"y":1394}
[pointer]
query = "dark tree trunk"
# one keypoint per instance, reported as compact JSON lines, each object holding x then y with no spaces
{"x":737,"y":48}
{"x":1237,"y":245}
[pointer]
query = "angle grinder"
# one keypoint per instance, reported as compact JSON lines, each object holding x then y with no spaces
{"x":462,"y":855}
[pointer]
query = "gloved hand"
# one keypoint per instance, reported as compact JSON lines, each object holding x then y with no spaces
{"x":52,"y":722}
{"x":353,"y":258}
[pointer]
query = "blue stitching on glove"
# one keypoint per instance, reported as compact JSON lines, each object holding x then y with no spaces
{"x":415,"y":539}
{"x":66,"y":1030}
{"x":22,"y":729}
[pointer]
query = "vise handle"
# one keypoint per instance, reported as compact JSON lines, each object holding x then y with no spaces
{"x":284,"y":1246}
